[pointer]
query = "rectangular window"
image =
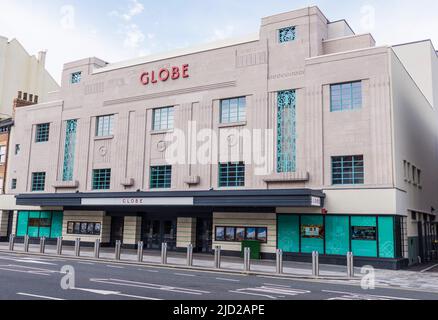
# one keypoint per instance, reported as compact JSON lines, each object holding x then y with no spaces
{"x":38,"y":181}
{"x":102,"y":179}
{"x":347,"y":170}
{"x":17,"y":149}
{"x":414,"y":175}
{"x":163,"y":119}
{"x":286,"y":131}
{"x":2,"y":154}
{"x":161,"y":177}
{"x":42,"y":132}
{"x":239,"y":234}
{"x":419,"y":177}
{"x":104,"y":126}
{"x":232,"y":174}
{"x":40,"y":224}
{"x":287,"y":34}
{"x":233,"y":110}
{"x":76,"y":77}
{"x":14,"y":184}
{"x":84,"y":228}
{"x":346,"y":96}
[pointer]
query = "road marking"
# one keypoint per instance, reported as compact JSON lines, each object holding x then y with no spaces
{"x":87,"y":263}
{"x":184,"y":275}
{"x":151,"y":271}
{"x":151,"y":286}
{"x":255,"y":294}
{"x":430,"y":268}
{"x":115,"y":267}
{"x":359,"y":296}
{"x":138,"y":297}
{"x":231,"y":280}
{"x":39,"y":297}
{"x":272,"y":292}
{"x":276,"y":285}
{"x":40,"y":273}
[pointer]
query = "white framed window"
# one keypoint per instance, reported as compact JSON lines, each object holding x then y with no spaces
{"x":2,"y":154}
{"x":104,"y":126}
{"x":163,"y":119}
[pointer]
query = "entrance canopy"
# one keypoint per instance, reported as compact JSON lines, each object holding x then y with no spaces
{"x":228,"y":198}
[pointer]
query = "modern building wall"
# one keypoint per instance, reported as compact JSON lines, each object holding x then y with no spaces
{"x":22,"y":72}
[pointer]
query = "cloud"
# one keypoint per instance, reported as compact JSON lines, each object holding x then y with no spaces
{"x":135,"y":8}
{"x":133,"y":36}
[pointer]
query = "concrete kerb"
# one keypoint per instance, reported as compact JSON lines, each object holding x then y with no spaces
{"x":181,"y":267}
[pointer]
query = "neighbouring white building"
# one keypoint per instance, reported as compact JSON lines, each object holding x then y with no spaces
{"x":20,"y":71}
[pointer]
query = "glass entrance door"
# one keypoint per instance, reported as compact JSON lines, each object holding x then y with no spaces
{"x":117,"y":227}
{"x":156,"y":232}
{"x":204,"y":235}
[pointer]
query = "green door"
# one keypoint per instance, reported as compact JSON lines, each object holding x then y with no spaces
{"x":22,"y":223}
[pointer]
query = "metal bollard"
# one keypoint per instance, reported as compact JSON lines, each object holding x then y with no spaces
{"x":190,"y":255}
{"x":118,"y":249}
{"x":247,"y":260}
{"x":164,"y":253}
{"x":11,"y":242}
{"x":315,"y":263}
{"x":350,"y":265}
{"x":97,"y":249}
{"x":140,"y":251}
{"x":217,"y":257}
{"x":59,"y":246}
{"x":78,"y":247}
{"x":42,"y":245}
{"x":279,"y":261}
{"x":26,"y":243}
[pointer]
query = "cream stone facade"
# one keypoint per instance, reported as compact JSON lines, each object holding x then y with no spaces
{"x":340,"y":174}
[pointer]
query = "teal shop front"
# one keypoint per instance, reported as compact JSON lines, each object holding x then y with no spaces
{"x":37,"y":224}
{"x":333,"y":236}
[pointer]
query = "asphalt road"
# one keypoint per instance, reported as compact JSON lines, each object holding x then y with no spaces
{"x":25,"y":277}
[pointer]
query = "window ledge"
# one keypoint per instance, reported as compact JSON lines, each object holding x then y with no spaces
{"x":128,"y":182}
{"x":234,"y":124}
{"x":157,"y":132}
{"x":66,"y":185}
{"x":192,"y":180}
{"x":104,"y":138}
{"x":299,"y":176}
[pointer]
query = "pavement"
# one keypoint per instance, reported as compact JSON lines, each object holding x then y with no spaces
{"x":31,"y":277}
{"x":421,"y":279}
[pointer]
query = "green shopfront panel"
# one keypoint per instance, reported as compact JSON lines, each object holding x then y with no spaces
{"x":337,"y":230}
{"x":386,"y":237}
{"x":289,"y":233}
{"x":45,"y":223}
{"x":22,"y":222}
{"x":366,"y":247}
{"x":312,"y":234}
{"x":57,"y":220}
{"x":33,"y":229}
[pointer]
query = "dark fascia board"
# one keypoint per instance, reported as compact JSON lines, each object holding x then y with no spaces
{"x":290,"y":197}
{"x":6,"y":123}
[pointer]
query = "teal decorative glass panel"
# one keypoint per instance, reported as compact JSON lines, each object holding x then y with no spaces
{"x":364,"y":236}
{"x":232,"y":174}
{"x":76,"y":77}
{"x":348,"y":170}
{"x":337,"y":235}
{"x":57,"y":220}
{"x":386,"y":237}
{"x":286,"y":131}
{"x":312,"y":234}
{"x":346,"y":96}
{"x":69,"y":150}
{"x":22,"y":223}
{"x":287,"y":34}
{"x":289,"y":233}
{"x":161,"y":177}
